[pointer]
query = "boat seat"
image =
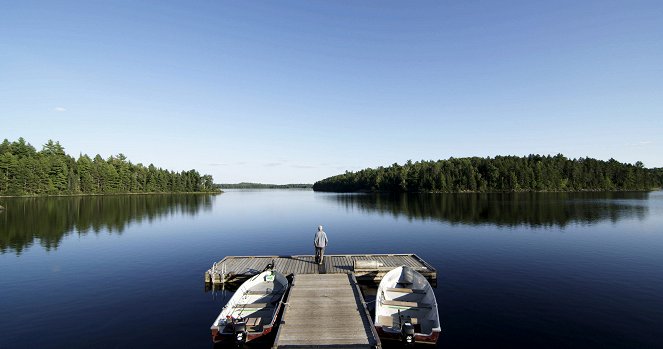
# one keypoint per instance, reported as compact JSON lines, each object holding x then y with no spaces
{"x":406,"y":304}
{"x":253,"y":323}
{"x":406,"y":290}
{"x":255,"y":305}
{"x":263,"y":292}
{"x":388,"y":320}
{"x":265,"y":298}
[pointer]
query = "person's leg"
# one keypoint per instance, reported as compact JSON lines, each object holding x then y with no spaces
{"x":322,"y":254}
{"x":317,"y":255}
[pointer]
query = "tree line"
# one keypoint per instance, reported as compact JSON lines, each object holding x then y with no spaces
{"x":498,"y":174}
{"x":50,"y":171}
{"x":246,"y":185}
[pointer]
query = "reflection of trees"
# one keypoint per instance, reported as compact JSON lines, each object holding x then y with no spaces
{"x":50,"y":219}
{"x":513,"y":209}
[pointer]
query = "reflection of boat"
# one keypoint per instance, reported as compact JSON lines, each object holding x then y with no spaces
{"x":252,"y":310}
{"x":406,"y":308}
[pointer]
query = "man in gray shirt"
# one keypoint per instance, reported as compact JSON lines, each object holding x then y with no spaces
{"x":320,"y":242}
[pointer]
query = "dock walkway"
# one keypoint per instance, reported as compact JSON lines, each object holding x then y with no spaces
{"x":325,"y":310}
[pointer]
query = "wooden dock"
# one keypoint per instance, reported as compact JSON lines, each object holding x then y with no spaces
{"x":366,"y":267}
{"x":325,"y":310}
{"x":325,"y":306}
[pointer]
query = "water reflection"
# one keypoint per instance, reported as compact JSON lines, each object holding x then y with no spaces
{"x":50,"y":219}
{"x":504,"y":209}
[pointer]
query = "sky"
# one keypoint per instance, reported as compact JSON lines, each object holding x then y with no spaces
{"x":297,"y":91}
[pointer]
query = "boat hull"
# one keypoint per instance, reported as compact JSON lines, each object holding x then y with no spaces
{"x":418,"y":337}
{"x":221,"y":337}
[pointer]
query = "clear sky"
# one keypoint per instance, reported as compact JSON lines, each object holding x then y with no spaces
{"x":296,"y":91}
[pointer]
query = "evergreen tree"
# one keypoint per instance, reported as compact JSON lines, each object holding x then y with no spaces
{"x":499,"y":174}
{"x":24,"y":171}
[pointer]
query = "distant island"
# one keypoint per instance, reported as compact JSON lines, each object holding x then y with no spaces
{"x":499,"y":174}
{"x":245,"y":185}
{"x":50,"y":171}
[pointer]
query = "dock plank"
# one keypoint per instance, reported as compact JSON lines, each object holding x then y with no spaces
{"x":300,"y":266}
{"x":241,"y":264}
{"x":333,"y":303}
{"x":250,"y":265}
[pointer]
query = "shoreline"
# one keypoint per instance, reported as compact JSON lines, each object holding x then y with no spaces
{"x":112,"y":194}
{"x":491,"y":192}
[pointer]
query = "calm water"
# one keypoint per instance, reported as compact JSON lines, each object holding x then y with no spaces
{"x":519,"y":271}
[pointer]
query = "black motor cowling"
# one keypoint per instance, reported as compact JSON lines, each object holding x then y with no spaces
{"x":239,"y":333}
{"x":407,"y":334}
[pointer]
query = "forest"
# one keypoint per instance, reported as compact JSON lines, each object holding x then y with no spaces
{"x":50,"y":171}
{"x":498,"y":174}
{"x":246,"y":185}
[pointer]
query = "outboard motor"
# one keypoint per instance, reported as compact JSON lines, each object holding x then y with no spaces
{"x":239,"y":334}
{"x":407,"y":334}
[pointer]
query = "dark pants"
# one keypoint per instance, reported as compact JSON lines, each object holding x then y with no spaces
{"x":319,"y":252}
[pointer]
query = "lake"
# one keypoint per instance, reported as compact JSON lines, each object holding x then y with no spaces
{"x":544,"y":270}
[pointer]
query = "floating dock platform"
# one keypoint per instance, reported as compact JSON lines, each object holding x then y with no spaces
{"x":325,"y":310}
{"x":366,"y":267}
{"x":325,"y":306}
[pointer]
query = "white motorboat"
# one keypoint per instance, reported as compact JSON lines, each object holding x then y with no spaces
{"x":252,"y":310}
{"x":406,"y":308}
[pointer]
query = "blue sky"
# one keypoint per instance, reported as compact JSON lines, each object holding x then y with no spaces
{"x":296,"y":91}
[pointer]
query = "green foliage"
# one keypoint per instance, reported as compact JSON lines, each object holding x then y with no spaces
{"x":25,"y":171}
{"x":245,"y":185}
{"x":658,"y":176}
{"x":499,"y":174}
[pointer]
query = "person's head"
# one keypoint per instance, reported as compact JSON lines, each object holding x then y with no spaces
{"x":319,"y":228}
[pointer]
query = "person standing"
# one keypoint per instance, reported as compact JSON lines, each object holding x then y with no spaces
{"x":320,"y":242}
